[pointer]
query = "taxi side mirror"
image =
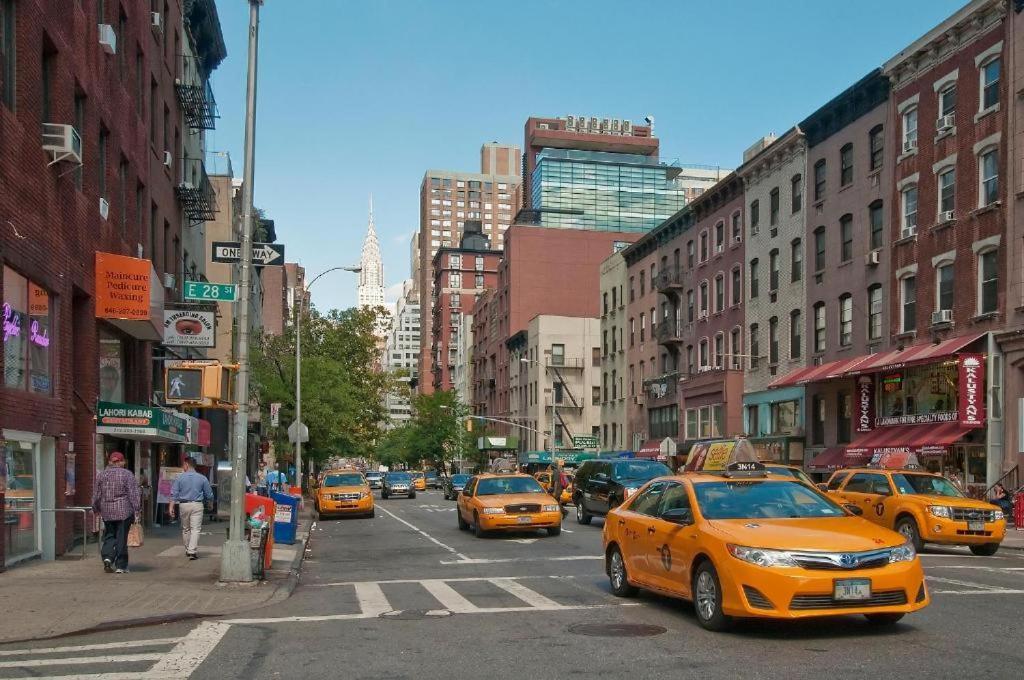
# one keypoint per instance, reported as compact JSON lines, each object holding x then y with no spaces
{"x":822,"y":487}
{"x":854,"y":509}
{"x":682,"y":516}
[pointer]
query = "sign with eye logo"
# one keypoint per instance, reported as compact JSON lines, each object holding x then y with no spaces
{"x":189,"y":328}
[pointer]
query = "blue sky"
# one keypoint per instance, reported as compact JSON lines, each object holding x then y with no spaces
{"x":363,"y":96}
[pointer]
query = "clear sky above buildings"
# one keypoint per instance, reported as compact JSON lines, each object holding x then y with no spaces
{"x":361,"y":97}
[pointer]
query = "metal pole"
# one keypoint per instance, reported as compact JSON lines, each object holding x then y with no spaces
{"x":298,"y":388}
{"x":234,"y":563}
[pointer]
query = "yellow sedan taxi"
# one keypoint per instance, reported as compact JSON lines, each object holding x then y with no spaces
{"x":545,"y":480}
{"x":419,"y":480}
{"x":746,"y":543}
{"x":344,"y":492}
{"x":509,"y":502}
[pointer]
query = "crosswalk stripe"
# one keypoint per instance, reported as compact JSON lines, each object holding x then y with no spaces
{"x":449,"y":598}
{"x":372,"y":600}
{"x":188,"y":654}
{"x":967,"y":584}
{"x":77,"y":660}
{"x":530,"y":597}
{"x":88,"y":648}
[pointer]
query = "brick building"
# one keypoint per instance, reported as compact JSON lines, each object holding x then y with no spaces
{"x":643,"y":355}
{"x":612,"y":394}
{"x":97,"y":207}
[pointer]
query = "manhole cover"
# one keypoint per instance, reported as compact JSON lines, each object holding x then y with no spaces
{"x":616,"y":629}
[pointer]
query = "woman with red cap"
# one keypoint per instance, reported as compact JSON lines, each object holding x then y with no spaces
{"x":117,"y":499}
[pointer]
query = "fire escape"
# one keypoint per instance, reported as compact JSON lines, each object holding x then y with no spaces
{"x":195,"y":95}
{"x":568,"y":399}
{"x":198,"y":199}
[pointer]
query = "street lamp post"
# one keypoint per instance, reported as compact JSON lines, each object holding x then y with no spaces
{"x":556,"y":477}
{"x":298,"y":367}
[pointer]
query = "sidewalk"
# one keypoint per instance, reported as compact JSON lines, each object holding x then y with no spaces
{"x":1014,"y":539}
{"x":72,"y":595}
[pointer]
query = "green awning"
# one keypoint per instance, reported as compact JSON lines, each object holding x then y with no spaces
{"x":141,"y":423}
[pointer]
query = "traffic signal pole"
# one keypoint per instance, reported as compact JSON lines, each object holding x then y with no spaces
{"x":235,"y":562}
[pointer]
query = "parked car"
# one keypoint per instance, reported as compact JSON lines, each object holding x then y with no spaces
{"x":603,"y":484}
{"x":375,"y":479}
{"x":453,"y":485}
{"x":433,"y":481}
{"x":398,"y":484}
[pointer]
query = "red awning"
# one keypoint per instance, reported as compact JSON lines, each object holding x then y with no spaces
{"x":912,"y":437}
{"x":829,"y":371}
{"x":793,"y":377}
{"x":650,"y":449}
{"x":837,"y":457}
{"x":923,"y":353}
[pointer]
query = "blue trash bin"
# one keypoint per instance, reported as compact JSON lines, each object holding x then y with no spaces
{"x":286,"y":517}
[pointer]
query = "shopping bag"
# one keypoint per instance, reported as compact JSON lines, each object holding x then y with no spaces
{"x":135,"y":536}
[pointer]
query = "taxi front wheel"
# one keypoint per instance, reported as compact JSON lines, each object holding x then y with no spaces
{"x":986,"y":550}
{"x":707,"y":599}
{"x":908,"y":528}
{"x":463,"y":524}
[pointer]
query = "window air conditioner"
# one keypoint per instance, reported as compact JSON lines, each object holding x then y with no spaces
{"x":910,"y":145}
{"x":719,"y":249}
{"x":156,"y":22}
{"x":907,"y":232}
{"x":108,"y":39}
{"x":872,"y":258}
{"x":942,"y":316}
{"x":168,"y":159}
{"x":104,"y":208}
{"x":638,"y":399}
{"x":945,"y":123}
{"x":946,"y":216}
{"x":63,"y":141}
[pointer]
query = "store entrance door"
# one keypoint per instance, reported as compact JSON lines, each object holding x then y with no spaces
{"x":21,"y":529}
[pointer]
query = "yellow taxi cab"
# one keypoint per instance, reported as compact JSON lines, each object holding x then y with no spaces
{"x":507,"y":502}
{"x":419,"y":480}
{"x":745,"y":543}
{"x":544,"y":478}
{"x":923,"y":506}
{"x":344,"y":492}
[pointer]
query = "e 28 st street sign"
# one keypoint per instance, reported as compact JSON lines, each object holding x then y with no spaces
{"x":263,"y":254}
{"x":218,"y":292}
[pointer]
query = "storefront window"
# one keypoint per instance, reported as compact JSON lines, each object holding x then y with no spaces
{"x":691,"y":423}
{"x":783,"y":417}
{"x":21,"y":503}
{"x":111,"y":368}
{"x":26,"y":329}
{"x":919,"y":391}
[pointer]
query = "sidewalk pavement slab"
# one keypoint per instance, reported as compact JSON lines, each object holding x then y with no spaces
{"x":74,"y":595}
{"x":1014,"y":539}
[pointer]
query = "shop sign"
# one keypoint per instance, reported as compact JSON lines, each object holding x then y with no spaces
{"x":972,"y":390}
{"x":189,"y":328}
{"x":141,"y":421}
{"x":864,"y":406}
{"x":917,"y":419}
{"x":275,"y":414}
{"x":12,"y":328}
{"x":123,"y":287}
{"x":584,"y":441}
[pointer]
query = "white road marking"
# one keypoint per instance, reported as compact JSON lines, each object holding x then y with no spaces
{"x":426,"y":535}
{"x":417,"y":580}
{"x":966,"y":584}
{"x":449,"y":598}
{"x":76,"y":660}
{"x":88,"y":648}
{"x":995,"y":570}
{"x":528,"y":596}
{"x":371,"y":598}
{"x":188,"y":654}
{"x":568,"y":531}
{"x":978,"y":592}
{"x":507,"y":560}
{"x":397,"y":612}
{"x":524,"y":541}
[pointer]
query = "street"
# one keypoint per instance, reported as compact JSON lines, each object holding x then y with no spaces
{"x":407,"y":595}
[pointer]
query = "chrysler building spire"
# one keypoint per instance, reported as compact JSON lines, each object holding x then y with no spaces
{"x":371,"y":278}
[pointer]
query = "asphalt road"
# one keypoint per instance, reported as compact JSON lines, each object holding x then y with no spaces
{"x":408,"y":595}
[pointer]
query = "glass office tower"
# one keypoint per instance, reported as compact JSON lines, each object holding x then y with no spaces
{"x":603,"y":191}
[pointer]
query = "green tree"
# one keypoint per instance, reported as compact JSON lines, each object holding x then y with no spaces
{"x":437,"y":434}
{"x":343,"y":388}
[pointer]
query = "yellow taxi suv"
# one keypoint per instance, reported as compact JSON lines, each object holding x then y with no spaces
{"x":419,"y":480}
{"x":512,"y":502}
{"x":344,"y":492}
{"x":923,"y":506}
{"x":744,"y":543}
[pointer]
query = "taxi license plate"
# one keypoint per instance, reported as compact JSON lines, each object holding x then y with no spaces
{"x":523,"y":520}
{"x":975,"y":526}
{"x":852,"y":589}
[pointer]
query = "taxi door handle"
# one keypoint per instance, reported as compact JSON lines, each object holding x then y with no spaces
{"x":621,"y":522}
{"x":650,"y":530}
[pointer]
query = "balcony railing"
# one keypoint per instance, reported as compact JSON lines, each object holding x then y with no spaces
{"x":564,"y":362}
{"x":195,"y":95}
{"x":671,"y":278}
{"x":668,"y":331}
{"x":198,"y":199}
{"x":662,"y":386}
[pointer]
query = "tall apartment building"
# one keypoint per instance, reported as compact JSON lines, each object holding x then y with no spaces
{"x":460,"y":274}
{"x":696,"y":179}
{"x":402,"y":352}
{"x":447,"y":200}
{"x":611,"y":394}
{"x":91,"y":164}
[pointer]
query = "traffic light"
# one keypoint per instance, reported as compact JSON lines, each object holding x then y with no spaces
{"x":469,"y":424}
{"x":184,"y":384}
{"x":204,"y":383}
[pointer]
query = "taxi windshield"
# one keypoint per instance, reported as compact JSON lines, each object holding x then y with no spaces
{"x":789,"y":472}
{"x":399,"y":477}
{"x":343,"y":480}
{"x":503,"y":485}
{"x":926,"y":485}
{"x":640,"y":470}
{"x":750,"y":500}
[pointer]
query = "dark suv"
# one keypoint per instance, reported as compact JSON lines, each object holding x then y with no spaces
{"x":601,"y":485}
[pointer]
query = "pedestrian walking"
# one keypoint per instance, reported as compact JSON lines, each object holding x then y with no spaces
{"x":117,"y":499}
{"x":191,"y":491}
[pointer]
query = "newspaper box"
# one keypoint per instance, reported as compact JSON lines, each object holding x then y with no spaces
{"x":286,"y":517}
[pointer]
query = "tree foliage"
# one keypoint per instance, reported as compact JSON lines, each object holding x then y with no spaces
{"x":343,"y":389}
{"x":436,"y":436}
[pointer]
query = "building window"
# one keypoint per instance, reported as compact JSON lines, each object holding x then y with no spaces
{"x":455,"y":280}
{"x":689,"y":360}
{"x":817,"y":420}
{"x":773,"y":270}
{"x":844,"y":416}
{"x":632,"y":292}
{"x":755,"y":346}
{"x":796,"y":331}
{"x":988,"y":167}
{"x":643,"y":329}
{"x":689,"y":254}
{"x":755,"y":216}
{"x":875,"y":312}
{"x":753,"y":420}
{"x":773,"y":207}
{"x":909,"y":130}
{"x":944,"y":286}
{"x":796,"y":259}
{"x":819,"y":180}
{"x":737,"y":230}
{"x":845,"y":320}
{"x":8,"y":48}
{"x":846,"y":238}
{"x":719,"y":350}
{"x":27,"y":316}
{"x":988,"y":282}
{"x":643,"y":282}
{"x":753,"y":279}
{"x":947,"y":101}
{"x":819,"y":249}
{"x":773,"y":340}
{"x":703,"y":246}
{"x":876,"y":142}
{"x":947,"y":192}
{"x":456,"y":300}
{"x":719,"y":237}
{"x":783,"y":417}
{"x":796,"y":193}
{"x":719,"y":293}
{"x":478,"y":279}
{"x":876,"y":219}
{"x":990,"y":83}
{"x":604,"y":303}
{"x":846,"y":165}
{"x":819,"y":327}
{"x":703,"y":353}
{"x":479,"y":264}
{"x":909,"y":200}
{"x":632,"y":330}
{"x":737,"y":286}
{"x":689,"y":305}
{"x":101,"y":163}
{"x":704,"y":298}
{"x":735,"y":348}
{"x":908,"y":304}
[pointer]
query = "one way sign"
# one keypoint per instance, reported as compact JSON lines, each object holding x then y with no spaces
{"x":262,"y":253}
